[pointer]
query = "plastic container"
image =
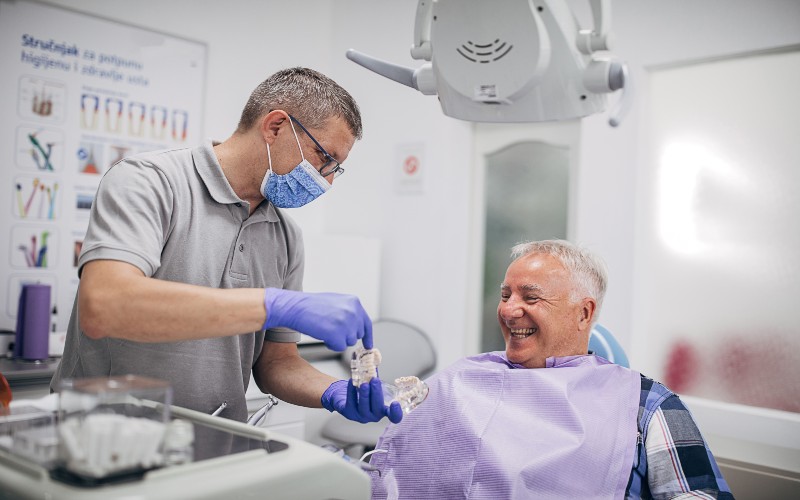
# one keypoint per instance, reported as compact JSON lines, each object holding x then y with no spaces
{"x":112,"y":425}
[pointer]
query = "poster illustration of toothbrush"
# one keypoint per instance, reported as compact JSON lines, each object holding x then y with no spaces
{"x":33,"y":247}
{"x":35,"y":197}
{"x":39,"y":149}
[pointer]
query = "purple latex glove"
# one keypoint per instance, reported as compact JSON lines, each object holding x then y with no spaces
{"x":338,"y":320}
{"x":364,"y":404}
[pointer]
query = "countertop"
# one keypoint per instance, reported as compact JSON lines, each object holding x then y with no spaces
{"x":20,"y":372}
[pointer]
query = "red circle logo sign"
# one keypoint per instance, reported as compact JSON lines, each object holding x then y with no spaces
{"x":411,"y":165}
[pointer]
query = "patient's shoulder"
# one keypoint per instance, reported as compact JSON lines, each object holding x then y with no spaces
{"x":654,"y":389}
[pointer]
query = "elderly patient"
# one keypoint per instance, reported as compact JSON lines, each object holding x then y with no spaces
{"x":544,"y":419}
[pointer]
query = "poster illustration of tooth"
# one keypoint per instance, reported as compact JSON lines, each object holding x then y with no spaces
{"x":79,"y":94}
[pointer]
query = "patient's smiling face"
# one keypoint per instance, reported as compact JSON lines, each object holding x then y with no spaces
{"x":537,"y":315}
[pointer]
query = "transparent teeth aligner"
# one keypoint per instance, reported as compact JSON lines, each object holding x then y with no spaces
{"x":364,"y":365}
{"x":408,"y":391}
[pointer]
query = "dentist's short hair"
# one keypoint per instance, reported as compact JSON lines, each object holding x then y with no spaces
{"x":308,"y":95}
{"x":588,"y":271}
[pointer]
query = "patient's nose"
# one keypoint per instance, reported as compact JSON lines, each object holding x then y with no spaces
{"x":510,"y":310}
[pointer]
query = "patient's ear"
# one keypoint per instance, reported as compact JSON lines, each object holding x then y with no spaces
{"x":587,"y":310}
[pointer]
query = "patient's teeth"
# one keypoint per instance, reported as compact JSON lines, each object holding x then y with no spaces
{"x":522,"y":333}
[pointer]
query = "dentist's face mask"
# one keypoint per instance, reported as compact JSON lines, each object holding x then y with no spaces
{"x":302,"y":185}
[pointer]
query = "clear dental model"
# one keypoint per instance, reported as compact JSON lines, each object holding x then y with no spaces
{"x":409,"y":391}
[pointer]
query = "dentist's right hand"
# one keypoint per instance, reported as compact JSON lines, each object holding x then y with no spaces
{"x":337,"y":319}
{"x":363,"y":404}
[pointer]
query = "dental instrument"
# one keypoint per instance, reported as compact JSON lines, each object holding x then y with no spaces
{"x":261,"y":414}
{"x":219,"y":410}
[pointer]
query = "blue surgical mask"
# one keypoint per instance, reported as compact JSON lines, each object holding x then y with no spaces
{"x":302,"y":185}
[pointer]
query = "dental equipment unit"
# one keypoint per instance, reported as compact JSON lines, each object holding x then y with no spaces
{"x":511,"y":60}
{"x":120,"y":437}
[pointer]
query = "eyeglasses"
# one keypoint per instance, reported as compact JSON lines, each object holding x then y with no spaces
{"x":331,"y":166}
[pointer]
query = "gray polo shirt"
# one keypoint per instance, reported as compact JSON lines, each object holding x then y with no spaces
{"x":174,"y":215}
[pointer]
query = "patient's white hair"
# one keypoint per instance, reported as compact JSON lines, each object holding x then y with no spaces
{"x":588,"y":270}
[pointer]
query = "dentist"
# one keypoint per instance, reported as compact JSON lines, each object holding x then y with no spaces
{"x":191,"y":270}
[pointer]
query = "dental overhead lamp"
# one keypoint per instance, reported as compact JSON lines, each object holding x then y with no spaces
{"x":511,"y":60}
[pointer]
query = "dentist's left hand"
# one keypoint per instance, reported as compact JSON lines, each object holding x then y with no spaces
{"x":364,"y":404}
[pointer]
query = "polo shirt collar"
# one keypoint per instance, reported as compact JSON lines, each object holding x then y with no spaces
{"x":210,"y":171}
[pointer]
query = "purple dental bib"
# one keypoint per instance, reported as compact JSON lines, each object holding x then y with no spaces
{"x":491,"y":429}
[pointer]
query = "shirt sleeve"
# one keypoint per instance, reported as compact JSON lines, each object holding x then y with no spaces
{"x":679,"y":462}
{"x":130,"y":217}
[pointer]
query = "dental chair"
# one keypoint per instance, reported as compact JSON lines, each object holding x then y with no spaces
{"x":603,"y":344}
{"x":406,"y":350}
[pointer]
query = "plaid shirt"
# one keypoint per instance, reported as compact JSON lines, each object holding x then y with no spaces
{"x":672,"y":460}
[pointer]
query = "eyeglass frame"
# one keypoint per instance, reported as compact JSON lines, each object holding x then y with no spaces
{"x":337,"y":169}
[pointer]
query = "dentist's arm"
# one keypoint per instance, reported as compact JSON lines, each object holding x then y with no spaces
{"x":117,"y":300}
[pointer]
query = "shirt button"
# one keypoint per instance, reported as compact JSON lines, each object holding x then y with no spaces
{"x":241,"y":247}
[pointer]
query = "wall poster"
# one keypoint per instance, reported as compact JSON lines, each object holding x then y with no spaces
{"x":79,"y":94}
